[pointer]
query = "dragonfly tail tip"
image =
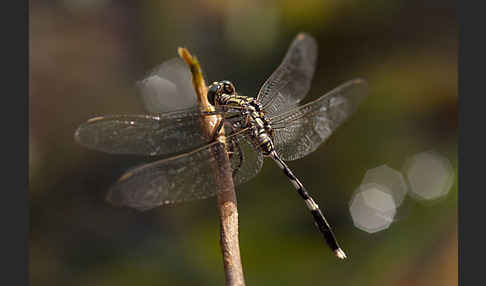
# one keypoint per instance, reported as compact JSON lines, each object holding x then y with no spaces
{"x":340,"y":253}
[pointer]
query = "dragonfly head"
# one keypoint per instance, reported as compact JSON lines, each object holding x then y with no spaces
{"x":216,"y":89}
{"x":228,"y":87}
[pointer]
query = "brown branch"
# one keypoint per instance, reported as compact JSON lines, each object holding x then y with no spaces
{"x":227,"y":208}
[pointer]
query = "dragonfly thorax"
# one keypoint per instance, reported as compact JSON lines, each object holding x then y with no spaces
{"x":224,"y":93}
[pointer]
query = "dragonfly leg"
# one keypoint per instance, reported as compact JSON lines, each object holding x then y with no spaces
{"x":240,"y":156}
{"x":320,"y":221}
{"x":221,"y":124}
{"x":218,"y":129}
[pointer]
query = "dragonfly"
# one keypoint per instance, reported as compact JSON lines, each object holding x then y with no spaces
{"x":273,"y":124}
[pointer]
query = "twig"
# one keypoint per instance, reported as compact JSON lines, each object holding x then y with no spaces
{"x":227,"y":208}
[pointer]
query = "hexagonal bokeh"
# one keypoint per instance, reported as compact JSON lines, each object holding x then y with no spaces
{"x":429,"y":174}
{"x":391,"y":179}
{"x":372,"y":208}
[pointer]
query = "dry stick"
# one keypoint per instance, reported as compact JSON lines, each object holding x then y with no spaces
{"x":228,"y":212}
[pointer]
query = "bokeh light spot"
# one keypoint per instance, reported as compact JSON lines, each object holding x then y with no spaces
{"x":429,"y":174}
{"x":372,"y":208}
{"x":391,"y":179}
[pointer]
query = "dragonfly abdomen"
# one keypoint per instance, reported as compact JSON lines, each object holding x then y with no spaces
{"x":320,"y":222}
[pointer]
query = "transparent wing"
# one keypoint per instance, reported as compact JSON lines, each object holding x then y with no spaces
{"x":246,"y":161}
{"x":190,"y":176}
{"x":154,"y":135}
{"x":291,"y":81}
{"x":174,"y":180}
{"x":300,"y":131}
{"x":168,"y":87}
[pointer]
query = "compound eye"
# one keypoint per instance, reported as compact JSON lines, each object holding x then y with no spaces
{"x":228,"y":87}
{"x":213,"y":92}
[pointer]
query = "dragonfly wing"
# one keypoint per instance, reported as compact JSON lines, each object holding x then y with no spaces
{"x":168,"y":87}
{"x":178,"y":179}
{"x":300,"y":131}
{"x":245,"y":160}
{"x":195,"y":175}
{"x":164,"y":134}
{"x":291,"y":81}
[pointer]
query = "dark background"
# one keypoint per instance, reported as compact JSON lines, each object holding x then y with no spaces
{"x":84,"y":59}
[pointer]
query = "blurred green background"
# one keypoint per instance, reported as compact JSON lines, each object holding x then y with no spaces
{"x":85,"y":57}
